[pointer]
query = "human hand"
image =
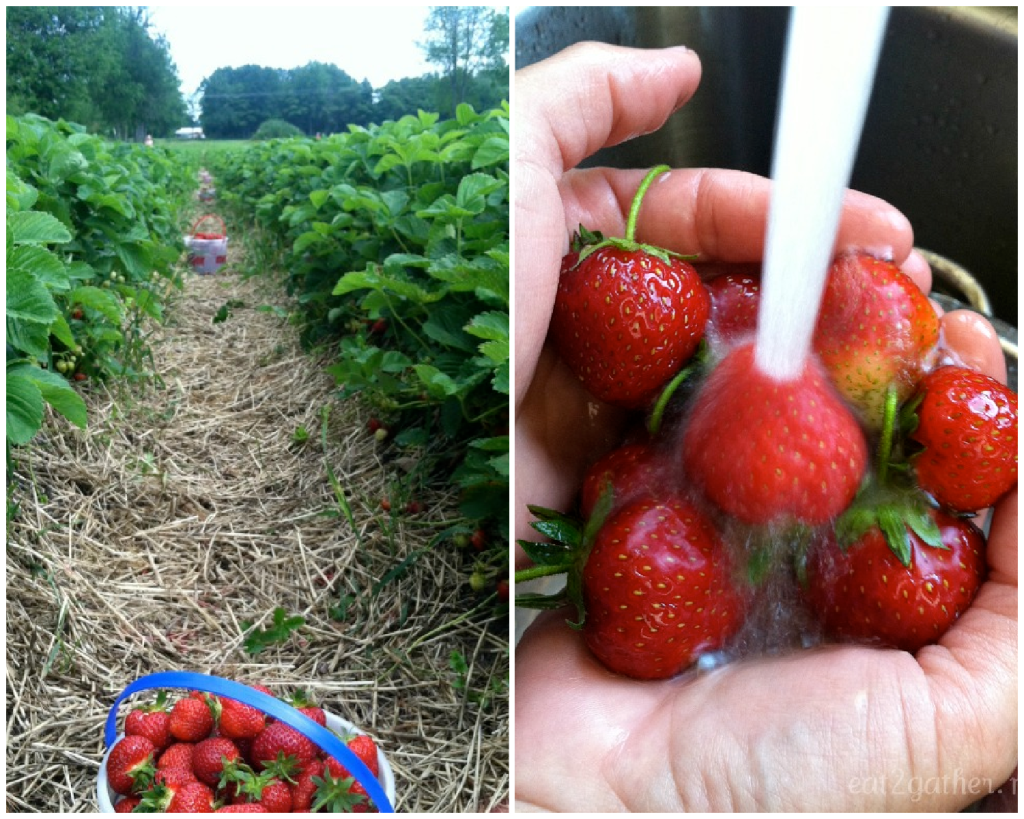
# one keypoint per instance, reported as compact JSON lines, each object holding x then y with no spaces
{"x":836,"y":728}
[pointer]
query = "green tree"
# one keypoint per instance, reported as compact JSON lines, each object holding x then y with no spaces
{"x":98,"y":66}
{"x":464,"y":41}
{"x":407,"y":96}
{"x":48,"y":60}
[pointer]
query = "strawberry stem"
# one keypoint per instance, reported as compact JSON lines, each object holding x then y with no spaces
{"x":885,"y":442}
{"x":634,"y":209}
{"x":533,"y":572}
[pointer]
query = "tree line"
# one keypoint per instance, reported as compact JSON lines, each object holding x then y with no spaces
{"x":104,"y":67}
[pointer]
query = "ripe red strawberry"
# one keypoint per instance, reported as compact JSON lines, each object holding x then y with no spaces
{"x":279,"y":740}
{"x":314,"y":712}
{"x":338,"y":795}
{"x":274,"y":794}
{"x":867,"y":593}
{"x":625,"y":321}
{"x":191,"y":719}
{"x":967,"y":423}
{"x":304,"y":788}
{"x":238,"y":720}
{"x":177,"y":755}
{"x":129,"y":760}
{"x":627,"y":316}
{"x":166,"y":784}
{"x":632,"y":470}
{"x":193,"y":797}
{"x":127,"y":805}
{"x":244,"y":807}
{"x":209,"y":756}
{"x":365,"y":750}
{"x":875,"y":329}
{"x":363,"y":746}
{"x":151,"y":721}
{"x":735,"y":298}
{"x":764,"y":450}
{"x":658,"y":590}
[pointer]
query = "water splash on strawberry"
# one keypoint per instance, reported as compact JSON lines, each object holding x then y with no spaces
{"x":769,"y":439}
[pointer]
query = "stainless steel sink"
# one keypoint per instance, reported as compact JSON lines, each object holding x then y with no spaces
{"x":940,"y":140}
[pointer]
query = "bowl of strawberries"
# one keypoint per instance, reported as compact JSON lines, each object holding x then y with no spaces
{"x":222,"y":747}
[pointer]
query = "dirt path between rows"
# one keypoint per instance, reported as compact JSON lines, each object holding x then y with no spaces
{"x":142,"y":545}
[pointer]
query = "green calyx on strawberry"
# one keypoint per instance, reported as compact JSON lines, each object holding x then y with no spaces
{"x":627,"y":316}
{"x":338,"y":794}
{"x":896,"y":570}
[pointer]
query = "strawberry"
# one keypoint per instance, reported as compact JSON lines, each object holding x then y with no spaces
{"x":272,"y":792}
{"x":657,"y":589}
{"x":867,"y":592}
{"x":177,"y":755}
{"x":967,"y":423}
{"x":279,"y":740}
{"x":627,"y":316}
{"x":301,"y":701}
{"x":151,"y":721}
{"x":129,"y":765}
{"x":304,"y":789}
{"x":765,"y":450}
{"x":735,"y":297}
{"x":210,"y":756}
{"x":238,"y":720}
{"x":191,"y":719}
{"x":244,"y":807}
{"x":193,"y":797}
{"x":167,"y":782}
{"x":365,"y":750}
{"x":338,"y":795}
{"x":875,"y":329}
{"x":630,"y":470}
{"x":127,"y":805}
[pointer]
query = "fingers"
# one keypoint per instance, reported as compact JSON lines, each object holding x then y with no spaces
{"x":568,"y":107}
{"x":593,"y":95}
{"x":722,"y":214}
{"x":975,"y":342}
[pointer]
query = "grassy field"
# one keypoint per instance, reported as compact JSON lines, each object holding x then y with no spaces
{"x":203,"y":149}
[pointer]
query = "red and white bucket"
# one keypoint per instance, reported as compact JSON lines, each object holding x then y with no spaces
{"x":207,"y":250}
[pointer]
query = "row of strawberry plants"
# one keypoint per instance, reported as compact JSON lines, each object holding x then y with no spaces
{"x":93,"y":232}
{"x":396,"y":246}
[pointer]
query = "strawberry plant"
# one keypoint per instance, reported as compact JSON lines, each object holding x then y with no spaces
{"x":93,"y":232}
{"x":395,"y":242}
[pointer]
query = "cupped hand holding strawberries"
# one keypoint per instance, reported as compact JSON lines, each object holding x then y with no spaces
{"x":842,"y":727}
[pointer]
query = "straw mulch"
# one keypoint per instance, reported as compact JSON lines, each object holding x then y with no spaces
{"x":142,"y":545}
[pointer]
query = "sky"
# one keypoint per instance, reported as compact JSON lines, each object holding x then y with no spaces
{"x":375,"y":43}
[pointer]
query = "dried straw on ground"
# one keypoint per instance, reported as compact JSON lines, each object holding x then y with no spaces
{"x":142,"y":545}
